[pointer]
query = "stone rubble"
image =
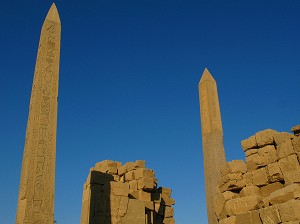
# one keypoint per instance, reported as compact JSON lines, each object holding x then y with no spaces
{"x":266,"y":188}
{"x":127,"y":194}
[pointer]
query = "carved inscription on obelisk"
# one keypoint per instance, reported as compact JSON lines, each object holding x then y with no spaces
{"x":36,"y":193}
{"x":212,"y":139}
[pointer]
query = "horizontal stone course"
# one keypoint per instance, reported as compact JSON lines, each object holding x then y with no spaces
{"x":268,"y":190}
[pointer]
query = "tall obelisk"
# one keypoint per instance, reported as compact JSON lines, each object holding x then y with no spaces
{"x":212,"y":139}
{"x":36,"y":193}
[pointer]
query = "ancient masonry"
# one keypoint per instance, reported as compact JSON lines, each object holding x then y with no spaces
{"x":265,"y":189}
{"x":125,"y":194}
{"x":212,"y":139}
{"x":36,"y":192}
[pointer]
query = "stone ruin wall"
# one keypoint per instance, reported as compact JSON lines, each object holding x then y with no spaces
{"x":265,"y":189}
{"x":127,"y":194}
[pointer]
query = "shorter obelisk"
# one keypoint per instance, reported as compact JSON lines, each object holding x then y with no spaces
{"x":36,"y":192}
{"x":212,"y":139}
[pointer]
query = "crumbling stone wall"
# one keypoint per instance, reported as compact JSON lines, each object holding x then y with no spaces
{"x":265,"y":189}
{"x":128,"y":194}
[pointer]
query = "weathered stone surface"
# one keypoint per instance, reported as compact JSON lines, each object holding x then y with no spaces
{"x":248,"y":218}
{"x":260,"y":177}
{"x":292,"y":176}
{"x":107,"y":166}
{"x":219,"y":203}
{"x":249,"y":143}
{"x":265,"y":137}
{"x":264,"y":156}
{"x":212,"y":139}
{"x":135,"y":212}
{"x":119,"y":188}
{"x":229,"y":220}
{"x":250,"y":190}
{"x":169,"y":220}
{"x":36,"y":192}
{"x":169,"y":212}
{"x":232,"y":181}
{"x":143,"y":172}
{"x":274,"y":172}
{"x":242,"y":205}
{"x":250,"y":152}
{"x":268,"y":189}
{"x":168,"y":201}
{"x":131,"y":166}
{"x":235,"y":166}
{"x":147,"y":183}
{"x":290,"y":210}
{"x":285,"y":149}
{"x":248,"y":179}
{"x":290,"y":168}
{"x":270,"y":215}
{"x":283,"y":195}
{"x":165,"y":191}
{"x":296,"y":146}
{"x":296,"y":130}
{"x":129,"y":176}
{"x":268,"y":154}
{"x":282,"y":137}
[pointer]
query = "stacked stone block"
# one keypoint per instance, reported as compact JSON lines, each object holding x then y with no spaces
{"x":127,"y":194}
{"x":266,"y":188}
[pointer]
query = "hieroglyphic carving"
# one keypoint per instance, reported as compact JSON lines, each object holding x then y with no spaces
{"x":36,"y":194}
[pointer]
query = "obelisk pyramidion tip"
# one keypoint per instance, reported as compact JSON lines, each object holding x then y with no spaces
{"x":206,"y":76}
{"x":53,"y":14}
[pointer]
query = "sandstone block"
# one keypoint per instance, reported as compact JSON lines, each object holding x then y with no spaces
{"x":230,"y":195}
{"x":268,"y":189}
{"x":169,"y":221}
{"x":250,"y":152}
{"x":248,"y":218}
{"x":288,"y":165}
{"x":165,"y":191}
{"x":147,"y":183}
{"x":235,"y":166}
{"x":133,"y":185}
{"x":119,"y":188}
{"x":268,"y":154}
{"x":282,"y":137}
{"x":274,"y":172}
{"x":129,"y":176}
{"x":169,"y":212}
{"x":250,"y":190}
{"x":229,"y":220}
{"x":123,"y":206}
{"x":265,"y":137}
{"x":143,"y":172}
{"x":292,"y":176}
{"x":283,"y":195}
{"x":296,"y":130}
{"x":107,"y":166}
{"x":144,"y":196}
{"x":248,"y":179}
{"x":260,"y":177}
{"x":290,"y":210}
{"x":149,"y":205}
{"x":254,"y":162}
{"x":270,"y":215}
{"x":168,"y":201}
{"x":296,"y":144}
{"x":232,"y":181}
{"x":285,"y":149}
{"x":135,"y":212}
{"x":242,"y":205}
{"x":219,"y":203}
{"x":249,"y":143}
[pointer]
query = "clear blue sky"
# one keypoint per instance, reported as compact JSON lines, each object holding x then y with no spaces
{"x":128,"y":88}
